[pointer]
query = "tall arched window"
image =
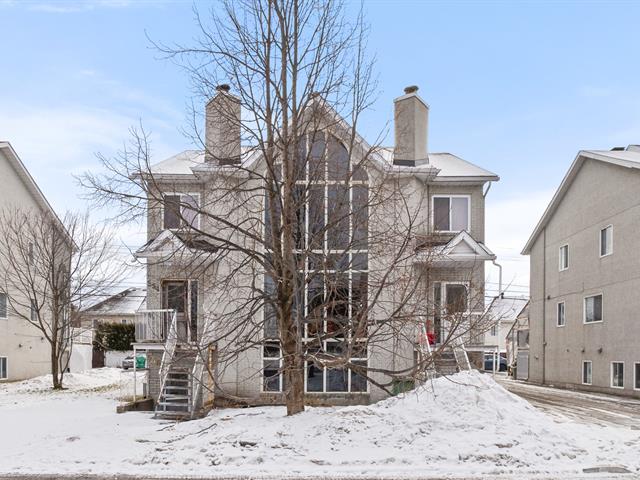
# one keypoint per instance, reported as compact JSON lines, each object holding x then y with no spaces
{"x":332,"y":247}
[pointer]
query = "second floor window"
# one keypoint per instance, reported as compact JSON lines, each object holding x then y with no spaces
{"x":450,"y":213}
{"x":181,"y":210}
{"x":606,"y":241}
{"x":564,"y":257}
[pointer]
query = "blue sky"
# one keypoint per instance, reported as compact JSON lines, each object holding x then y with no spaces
{"x":516,"y":87}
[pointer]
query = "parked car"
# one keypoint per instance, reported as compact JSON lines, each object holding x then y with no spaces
{"x":488,"y":363}
{"x":127,"y":362}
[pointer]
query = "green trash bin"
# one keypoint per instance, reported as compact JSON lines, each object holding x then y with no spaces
{"x":141,"y":361}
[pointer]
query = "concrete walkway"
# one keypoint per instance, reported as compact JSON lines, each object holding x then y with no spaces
{"x":591,"y":408}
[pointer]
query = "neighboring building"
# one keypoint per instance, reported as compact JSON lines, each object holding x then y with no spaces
{"x":454,"y":201}
{"x":24,"y":352}
{"x":518,"y":345}
{"x":501,"y":314}
{"x":118,"y":308}
{"x":583,"y":317}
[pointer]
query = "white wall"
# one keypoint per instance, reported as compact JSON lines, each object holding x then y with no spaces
{"x":81,"y":357}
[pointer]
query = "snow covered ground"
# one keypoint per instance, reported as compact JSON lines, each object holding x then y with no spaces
{"x":465,"y":425}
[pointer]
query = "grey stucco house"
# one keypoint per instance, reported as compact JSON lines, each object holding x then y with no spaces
{"x":448,"y":194}
{"x":583,"y":317}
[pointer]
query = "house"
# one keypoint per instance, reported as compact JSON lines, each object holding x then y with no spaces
{"x":118,"y":308}
{"x":518,"y":345}
{"x":583,"y":327}
{"x":503,"y":312}
{"x":448,"y":196}
{"x":24,"y":352}
{"x":122,"y":308}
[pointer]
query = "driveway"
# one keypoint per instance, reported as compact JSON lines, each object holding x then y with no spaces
{"x":590,"y":408}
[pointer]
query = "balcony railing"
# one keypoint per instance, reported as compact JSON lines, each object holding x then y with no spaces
{"x":152,"y":326}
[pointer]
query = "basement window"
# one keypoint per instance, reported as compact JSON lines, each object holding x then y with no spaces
{"x":587,"y":372}
{"x":4,"y":373}
{"x":636,"y":376}
{"x":560,"y":317}
{"x":451,"y":213}
{"x":617,"y":374}
{"x":273,"y":378}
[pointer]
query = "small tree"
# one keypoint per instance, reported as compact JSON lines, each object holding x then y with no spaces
{"x":51,"y":267}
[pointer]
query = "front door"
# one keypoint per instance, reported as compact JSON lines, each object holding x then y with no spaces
{"x":182,"y":296}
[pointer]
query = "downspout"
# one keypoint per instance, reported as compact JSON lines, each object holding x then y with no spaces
{"x":544,"y":304}
{"x":499,"y":276}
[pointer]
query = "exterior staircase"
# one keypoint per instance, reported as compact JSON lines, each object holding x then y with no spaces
{"x":175,"y":400}
{"x":445,"y":362}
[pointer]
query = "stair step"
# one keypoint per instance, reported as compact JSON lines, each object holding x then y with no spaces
{"x":174,"y":397}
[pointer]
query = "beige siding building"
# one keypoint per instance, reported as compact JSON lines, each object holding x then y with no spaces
{"x":24,"y":353}
{"x":447,"y":192}
{"x":584,"y":327}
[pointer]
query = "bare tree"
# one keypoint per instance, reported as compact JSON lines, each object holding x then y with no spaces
{"x":302,"y":237}
{"x":52,"y":267}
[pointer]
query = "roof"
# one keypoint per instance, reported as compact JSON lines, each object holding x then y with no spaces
{"x":461,"y":248}
{"x":506,"y":309}
{"x":171,"y":242}
{"x":627,"y":158}
{"x":126,"y":302}
{"x":31,"y":185}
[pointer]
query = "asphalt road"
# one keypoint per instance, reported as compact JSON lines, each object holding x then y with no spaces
{"x":584,"y":407}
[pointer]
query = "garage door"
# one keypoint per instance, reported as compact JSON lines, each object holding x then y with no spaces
{"x":523,"y":365}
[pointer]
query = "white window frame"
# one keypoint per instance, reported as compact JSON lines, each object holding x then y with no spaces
{"x":325,"y":391}
{"x":636,"y":377}
{"x":564,"y":314}
{"x":610,"y":245}
{"x":584,"y":309}
{"x":590,"y":382}
{"x":433,"y":212}
{"x":6,"y":306}
{"x":611,"y":375}
{"x":6,"y":368}
{"x":561,"y":267}
{"x":180,"y":194}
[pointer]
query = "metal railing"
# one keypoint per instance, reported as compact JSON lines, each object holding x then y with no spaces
{"x":169,"y":351}
{"x":153,"y":325}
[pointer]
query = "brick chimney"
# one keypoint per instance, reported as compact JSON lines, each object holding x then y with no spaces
{"x":222,"y":128}
{"x":411,"y":122}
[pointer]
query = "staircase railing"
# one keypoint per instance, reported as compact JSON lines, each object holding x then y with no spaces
{"x":169,"y":351}
{"x":460,"y":353}
{"x":199,"y":365}
{"x":425,"y":348}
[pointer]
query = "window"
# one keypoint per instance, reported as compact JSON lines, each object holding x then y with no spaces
{"x":564,"y":257}
{"x":560,"y":319}
{"x":3,"y":305}
{"x":494,"y":330}
{"x":30,"y":253}
{"x":587,"y":372}
{"x":180,"y":210}
{"x":4,"y":373}
{"x":593,"y":309}
{"x":451,"y":213}
{"x":273,"y":378}
{"x":606,"y":241}
{"x":331,"y":195}
{"x":33,"y":311}
{"x":617,"y":374}
{"x":636,"y":376}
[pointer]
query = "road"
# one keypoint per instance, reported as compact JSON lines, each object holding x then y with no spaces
{"x":584,"y":407}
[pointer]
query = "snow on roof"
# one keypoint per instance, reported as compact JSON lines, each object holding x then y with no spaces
{"x":450,"y":165}
{"x":628,"y":158}
{"x":127,"y":302}
{"x":506,"y":309}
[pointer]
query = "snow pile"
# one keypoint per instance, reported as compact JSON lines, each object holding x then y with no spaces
{"x":97,"y":378}
{"x":464,"y":424}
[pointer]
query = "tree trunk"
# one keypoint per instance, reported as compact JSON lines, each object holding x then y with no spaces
{"x":55,"y":367}
{"x":294,"y":378}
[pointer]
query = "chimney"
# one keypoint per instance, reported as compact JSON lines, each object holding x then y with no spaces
{"x":222,"y":128}
{"x":411,"y":121}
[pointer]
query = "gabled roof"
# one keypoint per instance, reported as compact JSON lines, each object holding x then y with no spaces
{"x":461,"y":248}
{"x":126,"y":302}
{"x":170,"y":242}
{"x":506,"y":309}
{"x":31,"y":185}
{"x":627,"y":158}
